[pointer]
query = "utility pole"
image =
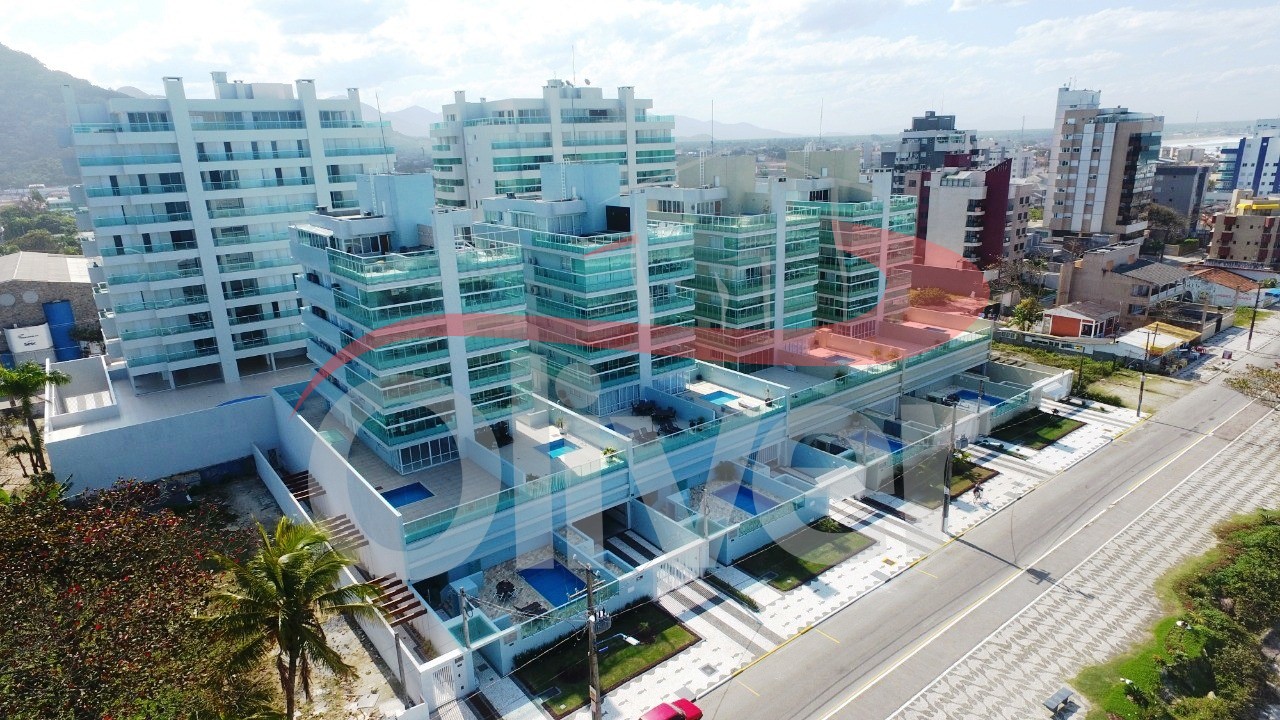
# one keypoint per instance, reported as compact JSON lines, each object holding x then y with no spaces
{"x":1142,"y":383}
{"x":946,"y":471}
{"x":593,"y":657}
{"x":1257,"y":295}
{"x":1080,"y":375}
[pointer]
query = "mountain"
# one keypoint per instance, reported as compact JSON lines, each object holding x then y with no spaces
{"x":33,"y":118}
{"x":414,"y":120}
{"x":688,"y":128}
{"x":134,"y":92}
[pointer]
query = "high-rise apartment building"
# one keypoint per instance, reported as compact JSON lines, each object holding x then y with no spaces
{"x":1253,"y":164}
{"x":1180,"y":187}
{"x":190,"y":202}
{"x":1247,"y":232}
{"x":932,"y":142}
{"x":1103,"y":161}
{"x":495,"y":147}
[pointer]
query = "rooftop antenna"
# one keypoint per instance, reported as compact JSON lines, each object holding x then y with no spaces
{"x":382,"y":131}
{"x":822,"y":106}
{"x":702,"y":168}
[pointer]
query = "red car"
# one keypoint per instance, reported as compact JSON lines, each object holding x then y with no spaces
{"x":678,"y":709}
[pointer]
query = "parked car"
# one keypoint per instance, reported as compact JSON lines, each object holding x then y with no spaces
{"x":678,"y":709}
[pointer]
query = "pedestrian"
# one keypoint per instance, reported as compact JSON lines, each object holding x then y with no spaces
{"x":977,"y":492}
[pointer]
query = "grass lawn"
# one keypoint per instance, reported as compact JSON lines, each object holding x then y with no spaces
{"x":1036,"y":429}
{"x":565,"y":668}
{"x":1245,"y":314}
{"x":964,"y":475}
{"x":805,"y":553}
{"x":1103,"y":686}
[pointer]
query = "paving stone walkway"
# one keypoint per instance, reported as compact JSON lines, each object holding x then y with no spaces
{"x":1107,"y":604}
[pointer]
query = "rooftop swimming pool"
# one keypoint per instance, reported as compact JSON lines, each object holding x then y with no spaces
{"x":720,"y":397}
{"x":412,"y":493}
{"x":745,"y":499}
{"x":558,"y":447}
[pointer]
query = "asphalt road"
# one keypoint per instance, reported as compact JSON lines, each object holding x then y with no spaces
{"x":871,"y":658}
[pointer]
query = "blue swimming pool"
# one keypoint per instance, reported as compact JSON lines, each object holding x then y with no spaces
{"x":720,"y":397}
{"x":745,"y":498}
{"x":972,"y":396}
{"x":554,"y":583}
{"x":401,"y":496}
{"x":558,"y":447}
{"x":875,"y":440}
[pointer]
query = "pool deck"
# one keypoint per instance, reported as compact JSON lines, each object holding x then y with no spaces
{"x":525,"y":594}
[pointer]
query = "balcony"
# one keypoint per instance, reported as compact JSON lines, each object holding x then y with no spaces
{"x":342,"y":178}
{"x":257,"y":292}
{"x":270,"y":340}
{"x":258,"y":183}
{"x":353,"y":124}
{"x":111,"y":251}
{"x":356,"y":152}
{"x":536,"y":120}
{"x":351,"y":308}
{"x":675,"y":301}
{"x":263,"y":317}
{"x":110,"y":160}
{"x":498,"y":254}
{"x":242,"y":156}
{"x":82,"y":128}
{"x":161,"y":304}
{"x":662,"y":233}
{"x":245,"y":239}
{"x":172,"y":357}
{"x":261,"y":210}
{"x":141,"y":219}
{"x":248,"y":125}
{"x":385,"y":268}
{"x":256,"y":265}
{"x":130,"y":190}
{"x":128,"y":278}
{"x":493,"y":300}
{"x":165,"y":331}
{"x":583,"y":244}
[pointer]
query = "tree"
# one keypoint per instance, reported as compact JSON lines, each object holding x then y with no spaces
{"x":100,"y":601}
{"x":928,"y":297}
{"x":1260,"y":383}
{"x":277,"y":602}
{"x":1027,"y":313}
{"x":21,"y":384}
{"x":1164,"y":223}
{"x":1036,"y":213}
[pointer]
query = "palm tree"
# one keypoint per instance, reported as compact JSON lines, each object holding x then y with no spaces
{"x":22,"y":384}
{"x":277,"y":601}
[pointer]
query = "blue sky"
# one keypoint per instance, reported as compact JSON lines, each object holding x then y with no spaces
{"x":869,"y":64}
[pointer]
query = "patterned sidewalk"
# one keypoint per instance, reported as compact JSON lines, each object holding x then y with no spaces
{"x":1107,"y":604}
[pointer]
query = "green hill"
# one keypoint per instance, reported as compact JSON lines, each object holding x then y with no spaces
{"x":32,"y":119}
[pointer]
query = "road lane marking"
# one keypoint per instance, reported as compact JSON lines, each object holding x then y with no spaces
{"x":826,"y":636}
{"x":926,"y":641}
{"x":926,"y":572}
{"x":748,"y":687}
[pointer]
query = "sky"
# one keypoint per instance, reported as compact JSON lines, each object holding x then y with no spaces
{"x":801,"y":66}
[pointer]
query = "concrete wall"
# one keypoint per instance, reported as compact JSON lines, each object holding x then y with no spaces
{"x":23,"y":314}
{"x":157,"y":449}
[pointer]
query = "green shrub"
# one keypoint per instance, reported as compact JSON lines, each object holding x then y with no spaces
{"x":1103,"y":397}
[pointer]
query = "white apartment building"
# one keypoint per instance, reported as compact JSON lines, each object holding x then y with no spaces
{"x":1254,"y":163}
{"x":190,"y":201}
{"x":493,"y":148}
{"x":1103,"y":160}
{"x":932,"y":142}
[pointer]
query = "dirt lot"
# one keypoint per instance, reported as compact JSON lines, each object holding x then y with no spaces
{"x":1160,"y":390}
{"x":373,"y":691}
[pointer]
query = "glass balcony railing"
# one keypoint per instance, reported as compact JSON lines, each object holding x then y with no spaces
{"x":654,"y":140}
{"x":258,"y":342}
{"x":388,"y":358}
{"x":258,"y":183}
{"x":354,"y":124}
{"x":141,"y":219}
{"x":594,"y":282}
{"x":165,"y":331}
{"x":495,"y":256}
{"x":122,"y":127}
{"x":656,"y":118}
{"x":259,"y":155}
{"x":501,"y":372}
{"x":536,"y":120}
{"x":342,"y":178}
{"x":161,"y":304}
{"x":248,"y":125}
{"x":662,"y":233}
{"x":706,"y":431}
{"x":109,"y":160}
{"x":580,"y":244}
{"x":353,"y":152}
{"x":176,"y":356}
{"x":262,"y":210}
{"x":256,"y":265}
{"x":127,"y":278}
{"x":385,"y":268}
{"x":128,"y":190}
{"x":246,"y":239}
{"x":680,"y":299}
{"x":625,"y":310}
{"x":485,"y":301}
{"x":262,"y":317}
{"x":345,"y":204}
{"x":351,"y":308}
{"x":111,"y":251}
{"x":257,"y":291}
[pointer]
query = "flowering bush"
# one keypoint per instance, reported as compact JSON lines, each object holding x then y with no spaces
{"x":101,"y":595}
